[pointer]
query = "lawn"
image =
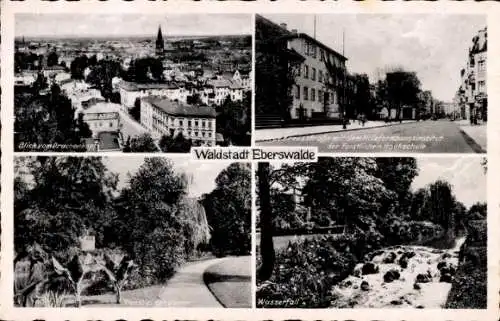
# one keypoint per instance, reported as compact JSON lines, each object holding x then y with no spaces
{"x":230,"y":282}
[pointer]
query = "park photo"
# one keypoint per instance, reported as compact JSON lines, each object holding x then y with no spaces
{"x":372,"y":233}
{"x":131,"y":231}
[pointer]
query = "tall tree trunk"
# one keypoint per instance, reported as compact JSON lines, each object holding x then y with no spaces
{"x":118,"y":294}
{"x":266,"y":220}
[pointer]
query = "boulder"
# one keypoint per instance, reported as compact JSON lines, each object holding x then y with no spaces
{"x":410,"y":254}
{"x":403,"y":262}
{"x":416,"y":286}
{"x":446,"y":268}
{"x":365,"y":286}
{"x":369,"y":268}
{"x":420,"y":307}
{"x":446,"y":256}
{"x":397,"y":302}
{"x":446,"y":277}
{"x":391,"y":275}
{"x":390,"y":257}
{"x":423,"y":278}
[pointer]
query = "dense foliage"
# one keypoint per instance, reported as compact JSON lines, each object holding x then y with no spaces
{"x":151,"y":219}
{"x":228,"y":209}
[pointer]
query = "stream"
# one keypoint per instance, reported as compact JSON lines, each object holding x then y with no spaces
{"x":385,"y":282}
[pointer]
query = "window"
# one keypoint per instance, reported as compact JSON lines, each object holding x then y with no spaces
{"x":320,"y":95}
{"x":195,"y":134}
{"x":202,"y":134}
{"x":209,"y":134}
{"x":313,"y":75}
{"x":298,"y":71}
{"x":189,"y":133}
{"x":110,"y":124}
{"x":209,"y":124}
{"x":320,"y":76}
{"x":297,"y":91}
{"x":313,"y":94}
{"x":482,"y":65}
{"x":314,"y":50}
{"x":196,"y":123}
{"x":181,"y":123}
{"x":203,"y":124}
{"x":482,"y":86}
{"x":189,"y":123}
{"x":306,"y":71}
{"x":306,"y":93}
{"x":297,"y":112}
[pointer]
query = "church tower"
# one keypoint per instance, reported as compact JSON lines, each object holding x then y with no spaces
{"x":160,"y":45}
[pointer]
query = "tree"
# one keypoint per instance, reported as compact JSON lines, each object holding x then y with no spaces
{"x":118,"y":272}
{"x":145,"y":70}
{"x":268,"y":255}
{"x":398,"y":173}
{"x":441,"y":204}
{"x":177,"y":144}
{"x":69,"y":196}
{"x":275,"y":70}
{"x":362,"y":96}
{"x":78,"y":66}
{"x":142,"y":144}
{"x":402,"y":89}
{"x":52,"y":59}
{"x":228,"y":209}
{"x":149,"y":225}
{"x":102,"y":74}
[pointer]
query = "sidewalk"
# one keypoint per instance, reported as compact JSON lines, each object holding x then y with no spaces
{"x":476,"y":135}
{"x":281,"y":133}
{"x":188,"y":289}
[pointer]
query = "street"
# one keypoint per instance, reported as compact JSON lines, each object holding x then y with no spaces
{"x":440,"y":136}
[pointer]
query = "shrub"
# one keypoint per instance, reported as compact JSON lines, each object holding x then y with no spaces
{"x":305,"y":273}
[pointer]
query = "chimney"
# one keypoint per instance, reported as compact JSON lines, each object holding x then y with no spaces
{"x":294,"y":31}
{"x":283,"y":25}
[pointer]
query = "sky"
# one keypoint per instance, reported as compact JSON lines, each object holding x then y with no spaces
{"x":119,"y":25}
{"x":465,"y":174}
{"x":433,"y":45}
{"x":203,"y":173}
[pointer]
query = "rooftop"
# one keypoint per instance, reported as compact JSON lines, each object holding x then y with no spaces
{"x":102,"y":107}
{"x":133,"y":86}
{"x":177,"y":109}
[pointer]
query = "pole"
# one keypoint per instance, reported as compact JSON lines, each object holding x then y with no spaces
{"x":344,"y":120}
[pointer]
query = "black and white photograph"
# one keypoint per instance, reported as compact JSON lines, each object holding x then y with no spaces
{"x":409,"y":83}
{"x":356,"y":232}
{"x":132,"y":82}
{"x":133,"y":231}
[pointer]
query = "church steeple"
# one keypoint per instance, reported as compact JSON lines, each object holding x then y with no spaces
{"x":160,"y":45}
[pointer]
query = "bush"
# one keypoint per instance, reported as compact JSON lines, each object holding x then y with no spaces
{"x":305,"y":273}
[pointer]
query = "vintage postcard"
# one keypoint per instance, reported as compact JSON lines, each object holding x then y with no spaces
{"x":250,"y":160}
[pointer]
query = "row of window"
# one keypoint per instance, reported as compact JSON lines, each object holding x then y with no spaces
{"x":321,"y":76}
{"x":310,"y":94}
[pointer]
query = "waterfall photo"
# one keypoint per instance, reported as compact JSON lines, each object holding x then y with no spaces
{"x":362,"y":232}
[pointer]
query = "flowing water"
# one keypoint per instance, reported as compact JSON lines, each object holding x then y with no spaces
{"x":400,"y":292}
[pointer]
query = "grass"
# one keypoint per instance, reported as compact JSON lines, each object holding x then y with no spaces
{"x":230,"y":282}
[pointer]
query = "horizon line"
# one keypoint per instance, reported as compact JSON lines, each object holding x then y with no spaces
{"x":134,"y":36}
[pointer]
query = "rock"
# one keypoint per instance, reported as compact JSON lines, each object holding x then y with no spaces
{"x":346,"y":284}
{"x":446,"y":278}
{"x":390,"y":257}
{"x":357,"y":273}
{"x":365,"y":286}
{"x":445,"y":256}
{"x":420,"y":307}
{"x":441,"y":265}
{"x":423,"y":278}
{"x":416,"y":286}
{"x":391,"y":275}
{"x":410,"y":254}
{"x":397,"y":302}
{"x":403,"y":262}
{"x":369,"y":268}
{"x":446,"y":268}
{"x":355,"y":287}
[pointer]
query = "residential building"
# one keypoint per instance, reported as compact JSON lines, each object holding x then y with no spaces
{"x":168,"y":117}
{"x":102,"y":117}
{"x":222,"y":88}
{"x":130,"y":92}
{"x":472,"y":95}
{"x":243,"y":78}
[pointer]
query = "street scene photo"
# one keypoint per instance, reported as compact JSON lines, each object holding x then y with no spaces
{"x":143,"y":232}
{"x":131,"y":83}
{"x":412,"y":83}
{"x":356,"y":232}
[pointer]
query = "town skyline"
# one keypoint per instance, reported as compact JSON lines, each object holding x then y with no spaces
{"x":61,"y":26}
{"x":437,"y":51}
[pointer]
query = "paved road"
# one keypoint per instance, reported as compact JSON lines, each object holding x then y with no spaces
{"x":421,"y":137}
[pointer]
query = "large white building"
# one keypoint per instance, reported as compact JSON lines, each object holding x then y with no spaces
{"x":168,"y":117}
{"x":102,"y":117}
{"x":130,"y":92}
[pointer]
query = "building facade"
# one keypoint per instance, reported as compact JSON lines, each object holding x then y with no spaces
{"x":320,"y":81}
{"x":130,"y":92}
{"x":472,"y":95}
{"x":102,"y":117}
{"x":168,"y":117}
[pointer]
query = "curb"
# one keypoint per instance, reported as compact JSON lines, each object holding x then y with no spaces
{"x":331,"y":131}
{"x":472,"y":143}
